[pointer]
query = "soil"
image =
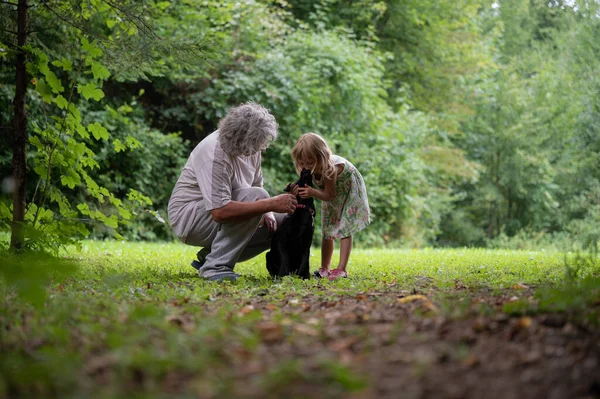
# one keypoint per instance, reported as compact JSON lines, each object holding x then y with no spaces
{"x":403,"y":344}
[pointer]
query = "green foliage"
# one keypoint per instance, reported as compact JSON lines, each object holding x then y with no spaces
{"x":62,"y":156}
{"x":68,"y":72}
{"x":473,"y":123}
{"x":29,"y":274}
{"x":576,"y":296}
{"x":139,"y":157}
{"x":306,"y":82}
{"x":528,"y":127}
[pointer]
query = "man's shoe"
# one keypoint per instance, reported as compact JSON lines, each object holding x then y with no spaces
{"x":229,"y":276}
{"x":201,"y":255}
{"x":197,"y":265}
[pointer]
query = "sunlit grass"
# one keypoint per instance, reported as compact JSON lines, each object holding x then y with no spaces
{"x":137,"y":316}
{"x":367,"y":267}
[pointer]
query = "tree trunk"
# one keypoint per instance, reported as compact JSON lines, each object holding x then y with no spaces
{"x":19,"y":131}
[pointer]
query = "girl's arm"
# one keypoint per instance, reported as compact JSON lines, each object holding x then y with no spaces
{"x":327,"y":194}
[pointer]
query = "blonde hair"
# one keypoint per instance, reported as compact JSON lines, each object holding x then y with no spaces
{"x":314,"y":146}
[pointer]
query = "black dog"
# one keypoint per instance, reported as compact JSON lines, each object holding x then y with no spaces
{"x":290,"y":247}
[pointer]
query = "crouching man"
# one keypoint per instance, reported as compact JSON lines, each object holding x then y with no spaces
{"x":219,"y":202}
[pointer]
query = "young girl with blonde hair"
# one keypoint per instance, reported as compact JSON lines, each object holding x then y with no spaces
{"x":341,"y":188}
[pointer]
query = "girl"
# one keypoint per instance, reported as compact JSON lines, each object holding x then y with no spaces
{"x":340,"y":187}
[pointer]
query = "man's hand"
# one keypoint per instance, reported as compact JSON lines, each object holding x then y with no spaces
{"x":270,"y":221}
{"x":284,"y":203}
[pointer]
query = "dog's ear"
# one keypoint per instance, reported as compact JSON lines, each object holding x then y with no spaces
{"x":288,"y":188}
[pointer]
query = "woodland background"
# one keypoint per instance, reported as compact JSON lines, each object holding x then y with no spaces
{"x":473,"y":122}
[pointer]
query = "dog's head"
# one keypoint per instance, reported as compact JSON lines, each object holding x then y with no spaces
{"x":305,"y":178}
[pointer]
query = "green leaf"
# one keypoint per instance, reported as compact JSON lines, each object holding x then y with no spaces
{"x":91,"y":90}
{"x":35,"y":140}
{"x":65,"y":64}
{"x":41,"y":170}
{"x":44,"y":90}
{"x":98,"y":131}
{"x":68,"y":181}
{"x":163,"y":5}
{"x":125,"y":214}
{"x":138,"y":197}
{"x":61,"y":102}
{"x":111,"y":23}
{"x":90,"y":48}
{"x":112,"y":221}
{"x":83,"y":208}
{"x":54,"y":82}
{"x":118,"y":146}
{"x":132,"y":142}
{"x":99,"y":71}
{"x":75,"y":112}
{"x":82,"y":132}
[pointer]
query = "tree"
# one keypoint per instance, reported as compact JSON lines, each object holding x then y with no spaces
{"x":19,"y":128}
{"x":73,"y":43}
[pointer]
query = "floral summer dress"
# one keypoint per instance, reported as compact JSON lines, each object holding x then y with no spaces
{"x":348,"y":213}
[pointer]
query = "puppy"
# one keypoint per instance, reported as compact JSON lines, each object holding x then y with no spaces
{"x":290,"y":246}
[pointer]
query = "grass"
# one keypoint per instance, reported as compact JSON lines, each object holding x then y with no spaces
{"x":134,"y":320}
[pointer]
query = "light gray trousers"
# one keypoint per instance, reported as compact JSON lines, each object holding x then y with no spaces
{"x":230,"y":242}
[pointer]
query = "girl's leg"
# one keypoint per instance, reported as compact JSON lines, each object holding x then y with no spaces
{"x":326,"y":252}
{"x":345,"y":249}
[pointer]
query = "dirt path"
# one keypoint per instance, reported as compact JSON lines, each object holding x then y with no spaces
{"x":405,"y":345}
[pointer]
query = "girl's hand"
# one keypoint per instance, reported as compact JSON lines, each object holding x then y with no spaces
{"x":305,"y":192}
{"x":294,"y":189}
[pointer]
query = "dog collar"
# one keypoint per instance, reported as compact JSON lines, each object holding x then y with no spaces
{"x":312,"y":211}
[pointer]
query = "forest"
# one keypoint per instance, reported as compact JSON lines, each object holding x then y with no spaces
{"x":474,"y":123}
{"x":476,"y":127}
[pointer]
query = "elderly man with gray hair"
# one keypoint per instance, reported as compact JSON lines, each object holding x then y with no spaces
{"x":219,"y":202}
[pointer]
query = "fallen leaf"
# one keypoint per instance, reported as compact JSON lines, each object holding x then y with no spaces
{"x":524,"y":322}
{"x":458,"y":285}
{"x":306,"y":330}
{"x":246,"y":309}
{"x":183,"y":321}
{"x":470,"y":361}
{"x":342,"y":344}
{"x":519,"y":286}
{"x":411,"y":298}
{"x":361,"y":297}
{"x":269,"y":331}
{"x":430,"y":306}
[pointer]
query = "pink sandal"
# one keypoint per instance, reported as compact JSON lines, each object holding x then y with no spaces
{"x":321,"y":273}
{"x":336,"y":273}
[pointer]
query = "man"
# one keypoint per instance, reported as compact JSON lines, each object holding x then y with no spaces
{"x":219,"y":201}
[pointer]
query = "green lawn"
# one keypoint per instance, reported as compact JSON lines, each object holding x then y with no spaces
{"x":134,"y":320}
{"x":368,"y":267}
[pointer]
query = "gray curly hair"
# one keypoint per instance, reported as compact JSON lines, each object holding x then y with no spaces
{"x":247,"y":129}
